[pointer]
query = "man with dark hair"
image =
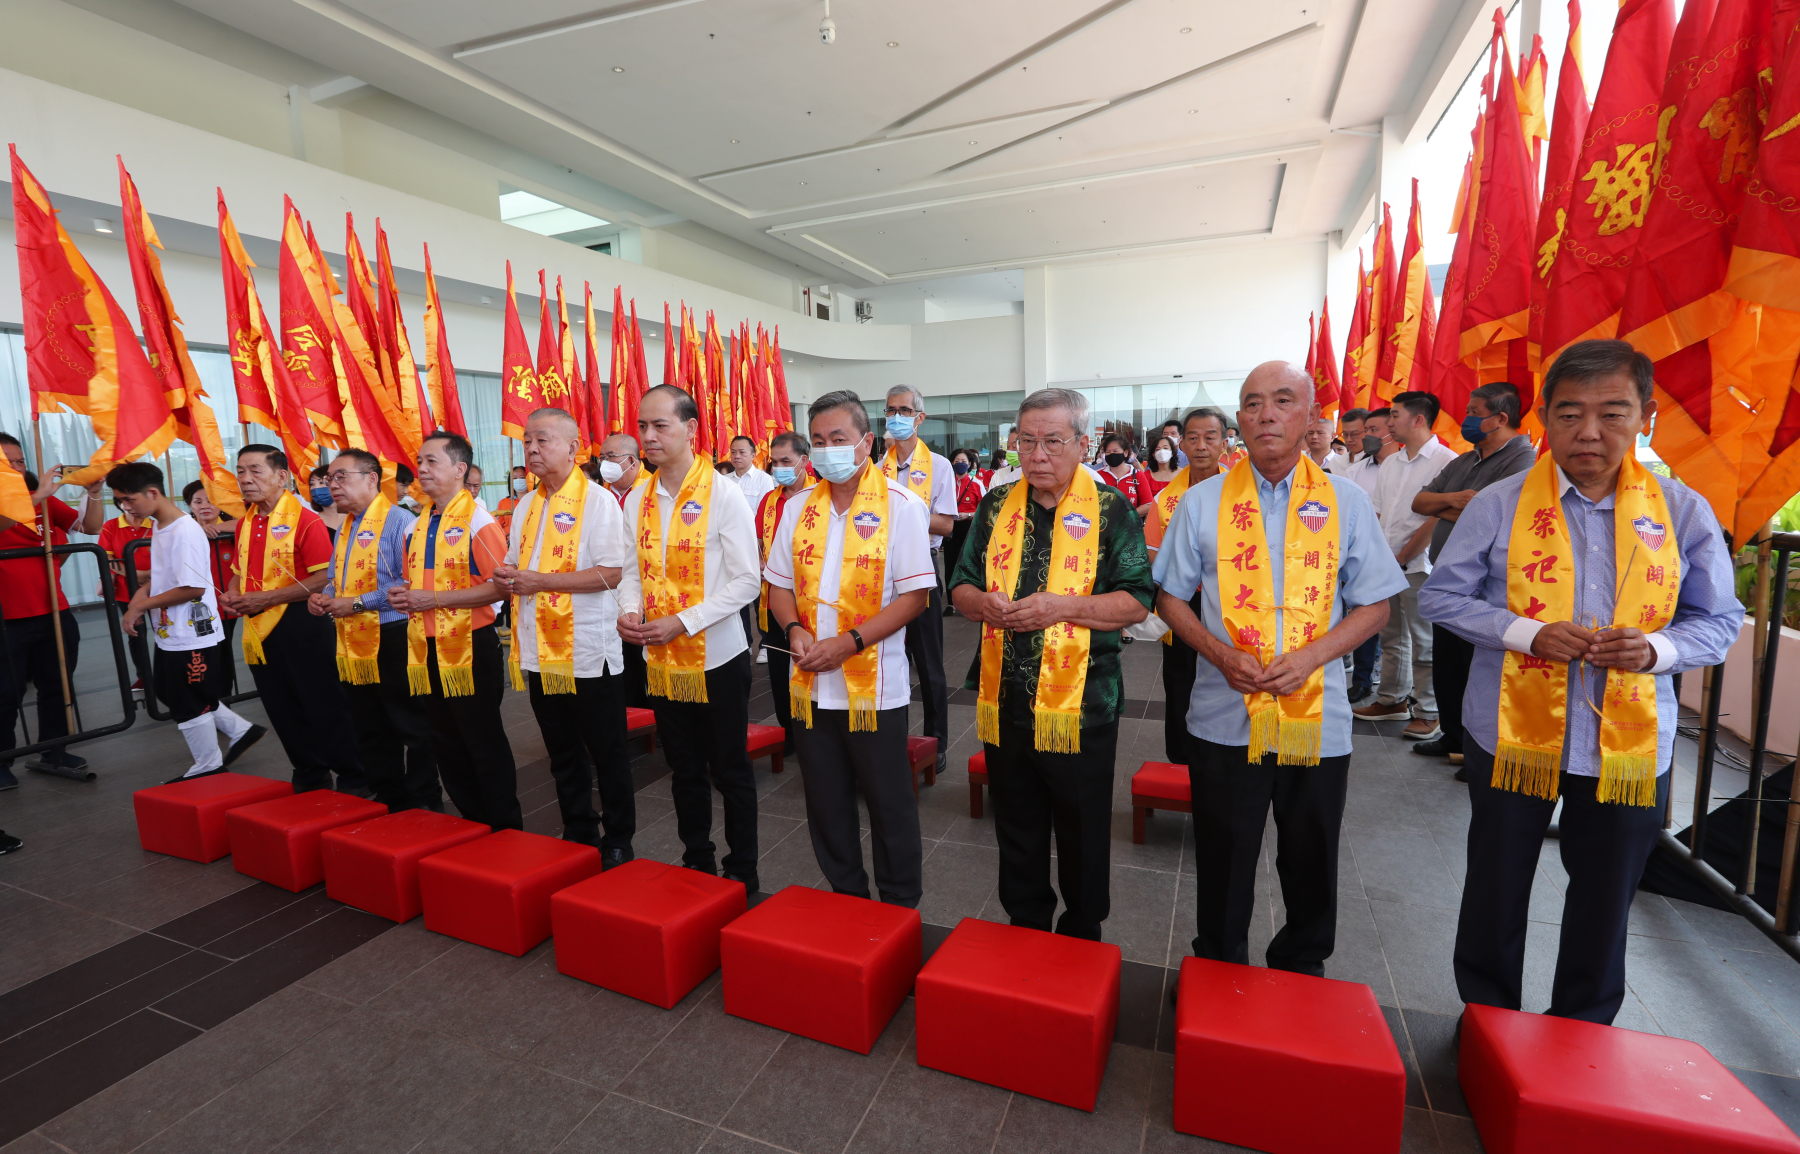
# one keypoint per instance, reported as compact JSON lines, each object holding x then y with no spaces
{"x":472,"y":482}
{"x":1491,"y":425}
{"x":1350,"y":431}
{"x":752,"y":481}
{"x":393,"y":734}
{"x":788,"y":458}
{"x":1203,"y":440}
{"x":1406,"y":692}
{"x":694,"y":569}
{"x":1584,"y":584}
{"x":283,"y":554}
{"x":192,"y":662}
{"x":115,"y":535}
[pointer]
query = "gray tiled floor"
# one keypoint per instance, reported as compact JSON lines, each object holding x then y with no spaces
{"x":416,"y":1042}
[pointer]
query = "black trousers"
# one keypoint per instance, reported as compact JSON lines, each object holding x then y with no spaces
{"x":836,"y":764}
{"x":704,"y":744}
{"x":393,"y":731}
{"x":1365,"y":660}
{"x":1178,"y":669}
{"x":925,"y":648}
{"x":1604,"y":847}
{"x":1232,"y":799}
{"x":589,"y":725}
{"x":780,"y":670}
{"x":1450,"y":660}
{"x":474,"y":758}
{"x":1036,"y":794}
{"x":190,"y":682}
{"x":637,"y":673}
{"x":300,"y":691}
{"x":31,"y":658}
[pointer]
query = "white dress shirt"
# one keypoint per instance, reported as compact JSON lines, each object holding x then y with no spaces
{"x":908,"y":567}
{"x":943,"y":489}
{"x":732,"y":576}
{"x":1398,"y":481}
{"x":753,"y":483}
{"x":603,"y":542}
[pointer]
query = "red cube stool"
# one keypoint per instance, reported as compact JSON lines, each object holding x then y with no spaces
{"x":1250,"y":1043}
{"x":374,"y":865}
{"x":977,"y":779}
{"x":495,"y":891}
{"x":767,"y":739}
{"x":187,"y":818}
{"x":1158,"y":785}
{"x":921,"y":754}
{"x":644,"y":929}
{"x":1555,"y":1085}
{"x":278,"y":841}
{"x":1020,"y":1009}
{"x":641,"y":723}
{"x":826,"y":966}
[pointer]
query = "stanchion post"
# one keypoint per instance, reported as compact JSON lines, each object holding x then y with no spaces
{"x":55,"y":585}
{"x":1762,"y":661}
{"x":1710,"y":692}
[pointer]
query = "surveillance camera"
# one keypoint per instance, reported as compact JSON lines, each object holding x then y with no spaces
{"x":827,"y":31}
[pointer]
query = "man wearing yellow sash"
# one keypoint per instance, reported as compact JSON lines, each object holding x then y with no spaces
{"x":1293,"y":573}
{"x":454,"y":664}
{"x":1584,"y":585}
{"x":283,"y":553}
{"x":565,"y":553}
{"x":849,"y":568}
{"x":694,"y":570}
{"x":393,"y":738}
{"x":1203,"y":443}
{"x":929,"y":477}
{"x":1054,"y":568}
{"x":788,"y":454}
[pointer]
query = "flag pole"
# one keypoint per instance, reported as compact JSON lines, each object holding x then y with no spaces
{"x":62,"y":661}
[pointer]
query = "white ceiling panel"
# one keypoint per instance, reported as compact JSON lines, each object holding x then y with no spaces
{"x":447,"y":23}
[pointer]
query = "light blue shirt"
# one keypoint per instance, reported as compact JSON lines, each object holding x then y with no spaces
{"x":1189,"y":558}
{"x":1466,"y":594}
{"x":390,"y":559}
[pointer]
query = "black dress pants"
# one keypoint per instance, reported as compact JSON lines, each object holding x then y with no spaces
{"x":704,"y":743}
{"x":1036,"y":794}
{"x":1178,"y":669}
{"x":588,"y":725}
{"x":925,"y":648}
{"x":1450,"y":660}
{"x":474,"y":758}
{"x":1231,"y":800}
{"x":31,"y":658}
{"x":1604,"y":847}
{"x":637,"y":673}
{"x":393,"y":731}
{"x":780,"y":670}
{"x":300,"y":691}
{"x":836,"y":764}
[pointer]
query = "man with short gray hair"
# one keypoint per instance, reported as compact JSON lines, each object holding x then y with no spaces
{"x":912,"y":465}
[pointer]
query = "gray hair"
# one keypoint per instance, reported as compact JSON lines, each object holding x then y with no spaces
{"x":1069,"y":399}
{"x":558,"y":414}
{"x":918,"y":398}
{"x":840,"y":399}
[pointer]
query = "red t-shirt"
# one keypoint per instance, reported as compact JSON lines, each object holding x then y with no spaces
{"x":312,"y":550}
{"x":24,"y":590}
{"x":969,"y":491}
{"x":114,"y":536}
{"x":1151,"y":488}
{"x":1132,"y":485}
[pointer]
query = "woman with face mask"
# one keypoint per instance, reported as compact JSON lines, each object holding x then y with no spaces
{"x":1117,"y":470}
{"x":1163,"y":469}
{"x":319,"y":494}
{"x":970,"y":488}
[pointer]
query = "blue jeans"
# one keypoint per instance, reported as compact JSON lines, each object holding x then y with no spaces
{"x":1363,"y":660}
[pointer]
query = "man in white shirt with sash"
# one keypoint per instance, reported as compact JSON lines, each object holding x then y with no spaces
{"x":565,"y":552}
{"x":788,"y":453}
{"x":681,"y":597}
{"x":848,"y":569}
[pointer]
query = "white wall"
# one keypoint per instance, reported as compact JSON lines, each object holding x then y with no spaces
{"x":979,"y":356}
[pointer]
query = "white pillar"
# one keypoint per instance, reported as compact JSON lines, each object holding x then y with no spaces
{"x":1036,"y":328}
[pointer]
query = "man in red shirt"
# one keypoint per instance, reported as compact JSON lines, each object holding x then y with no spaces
{"x":117,"y":533}
{"x":283,"y":553}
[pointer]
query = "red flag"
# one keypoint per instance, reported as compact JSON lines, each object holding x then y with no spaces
{"x":1326,"y":389}
{"x":1413,"y":322}
{"x":1312,"y":341}
{"x":1354,"y":340}
{"x":596,"y":430}
{"x":446,"y":402}
{"x":372,"y":417}
{"x":621,"y":366}
{"x":1377,"y":362}
{"x":782,"y":404}
{"x":576,"y":404}
{"x":640,"y":374}
{"x":306,"y":332}
{"x":414,"y":403}
{"x":1568,"y":127}
{"x":1452,"y":380}
{"x":671,"y":339}
{"x":553,"y":388}
{"x":266,"y":391}
{"x":80,"y":349}
{"x":519,"y":390}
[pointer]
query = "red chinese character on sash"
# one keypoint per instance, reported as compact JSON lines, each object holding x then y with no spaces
{"x":1243,"y":597}
{"x":805,"y":556}
{"x":1539,"y":570}
{"x":1312,"y":596}
{"x":1306,"y":632}
{"x":1531,"y":661}
{"x":1240,"y":514}
{"x":1543,"y":523}
{"x":1249,"y":637}
{"x":1311,"y":561}
{"x":810,"y":518}
{"x":1072,"y":563}
{"x":1536,"y":607}
{"x":1012,"y":524}
{"x":1654,"y":574}
{"x":1647,"y":616}
{"x":557,"y":551}
{"x":1246,"y":559}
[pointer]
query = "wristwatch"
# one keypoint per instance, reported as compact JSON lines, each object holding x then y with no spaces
{"x":860,"y":643}
{"x":356,"y":606}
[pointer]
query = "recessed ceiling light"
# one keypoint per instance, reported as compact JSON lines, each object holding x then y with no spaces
{"x":1187,"y":29}
{"x":1191,"y":111}
{"x":103,"y":226}
{"x":616,"y":68}
{"x":974,"y":142}
{"x":893,"y":44}
{"x":803,"y":184}
{"x":734,"y":142}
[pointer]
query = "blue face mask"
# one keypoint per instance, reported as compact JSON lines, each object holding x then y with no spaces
{"x":321,"y":495}
{"x":961,"y":467}
{"x":784,"y":476}
{"x":1471,"y":429}
{"x":900,"y":428}
{"x":835,"y":463}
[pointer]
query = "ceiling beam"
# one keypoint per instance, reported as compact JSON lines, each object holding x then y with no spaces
{"x":570,"y":24}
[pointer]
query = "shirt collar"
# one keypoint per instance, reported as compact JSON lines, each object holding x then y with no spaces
{"x":1564,"y":484}
{"x":1286,"y":484}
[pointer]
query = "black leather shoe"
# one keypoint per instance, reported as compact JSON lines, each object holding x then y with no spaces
{"x":615,"y":857}
{"x":1433,"y":748}
{"x":749,"y":882}
{"x":242,"y":745}
{"x":9,"y":843}
{"x":1461,"y":775}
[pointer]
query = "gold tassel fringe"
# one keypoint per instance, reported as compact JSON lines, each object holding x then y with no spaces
{"x":987,"y":722}
{"x":558,"y":676}
{"x":458,"y":681}
{"x":253,"y":646}
{"x":675,"y":684}
{"x":358,"y":670}
{"x":1524,"y":769}
{"x":800,"y":703}
{"x":862,"y":715}
{"x":1299,"y":742}
{"x":518,"y":674}
{"x":418,"y":680}
{"x":1058,"y":731}
{"x":1265,"y":733}
{"x":1626,"y":778}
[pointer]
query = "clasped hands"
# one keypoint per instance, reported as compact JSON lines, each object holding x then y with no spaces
{"x":1620,"y":647}
{"x":815,"y":656}
{"x":657,"y":631}
{"x":1026,"y":615}
{"x":1283,"y":676}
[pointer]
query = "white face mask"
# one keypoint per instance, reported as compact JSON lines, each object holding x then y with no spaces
{"x":1163,"y":456}
{"x":611,"y":471}
{"x":520,"y":484}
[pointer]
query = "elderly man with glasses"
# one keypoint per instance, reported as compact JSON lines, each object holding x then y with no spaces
{"x":912,"y":465}
{"x":1054,"y":568}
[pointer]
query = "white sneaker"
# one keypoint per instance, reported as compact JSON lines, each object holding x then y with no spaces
{"x":762,"y":655}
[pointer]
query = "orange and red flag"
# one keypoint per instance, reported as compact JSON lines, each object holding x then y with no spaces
{"x":552,"y":384}
{"x":1326,"y":388}
{"x":413,"y":401}
{"x":307,"y":333}
{"x":446,"y":403}
{"x":518,"y":379}
{"x":1451,"y":379}
{"x":1568,"y":127}
{"x":1375,"y":367}
{"x":1354,"y":339}
{"x":597,"y":420}
{"x":366,"y":389}
{"x":576,"y":402}
{"x":266,"y":391}
{"x":1413,"y":321}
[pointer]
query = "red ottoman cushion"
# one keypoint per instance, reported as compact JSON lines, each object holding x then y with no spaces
{"x":495,"y":891}
{"x":1020,"y":1009}
{"x":826,"y":966}
{"x":278,"y":841}
{"x":636,"y":718}
{"x":1162,"y":779}
{"x":645,"y":929}
{"x":187,"y":818}
{"x":374,"y":865}
{"x":1552,"y":1085}
{"x":760,"y":739}
{"x":1250,"y":1043}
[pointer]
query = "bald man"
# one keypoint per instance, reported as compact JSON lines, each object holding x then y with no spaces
{"x":620,"y":468}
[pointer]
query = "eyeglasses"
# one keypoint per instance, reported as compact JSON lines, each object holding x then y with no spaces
{"x":616,"y":458}
{"x":901,"y":412}
{"x":340,"y":474}
{"x":1054,"y":446}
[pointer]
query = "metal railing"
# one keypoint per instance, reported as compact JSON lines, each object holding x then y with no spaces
{"x":140,"y":645}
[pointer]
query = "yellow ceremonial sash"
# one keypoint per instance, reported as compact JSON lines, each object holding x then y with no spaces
{"x":1289,"y":727}
{"x":454,"y":628}
{"x":554,"y":612}
{"x":1074,"y":559}
{"x":861,"y":577}
{"x":916,"y":476}
{"x":359,"y":635}
{"x":674,"y":578}
{"x":1540,"y":584}
{"x":278,"y":569}
{"x":768,"y":515}
{"x":1165,"y":503}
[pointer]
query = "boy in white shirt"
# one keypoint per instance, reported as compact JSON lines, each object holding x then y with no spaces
{"x":192,"y":667}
